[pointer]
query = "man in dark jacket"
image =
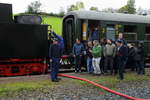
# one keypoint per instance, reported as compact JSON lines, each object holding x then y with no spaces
{"x":122,"y":52}
{"x":59,"y":38}
{"x":131,"y":55}
{"x":55,"y":53}
{"x":77,"y":51}
{"x":139,"y":59}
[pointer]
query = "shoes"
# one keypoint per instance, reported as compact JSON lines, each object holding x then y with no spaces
{"x":56,"y":80}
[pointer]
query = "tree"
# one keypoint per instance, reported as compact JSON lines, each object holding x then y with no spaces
{"x":80,"y":5}
{"x":94,"y":8}
{"x":109,"y":10}
{"x":77,"y":6}
{"x":131,"y":6}
{"x":72,"y":8}
{"x":128,"y":8}
{"x":34,"y":7}
{"x":140,"y":11}
{"x":123,"y":9}
{"x":62,"y":12}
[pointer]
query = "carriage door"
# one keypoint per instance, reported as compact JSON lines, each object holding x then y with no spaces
{"x":110,"y":32}
{"x":69,"y":38}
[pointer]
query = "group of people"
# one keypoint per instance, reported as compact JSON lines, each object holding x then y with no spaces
{"x":104,"y":55}
{"x":101,"y":56}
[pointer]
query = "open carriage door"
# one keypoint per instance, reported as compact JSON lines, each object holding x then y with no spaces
{"x":69,"y":33}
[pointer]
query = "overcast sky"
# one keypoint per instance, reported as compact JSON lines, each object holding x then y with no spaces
{"x":56,"y":5}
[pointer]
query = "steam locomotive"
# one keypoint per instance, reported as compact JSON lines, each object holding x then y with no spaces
{"x":23,"y":43}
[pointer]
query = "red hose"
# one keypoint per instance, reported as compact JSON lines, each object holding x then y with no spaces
{"x":100,"y":86}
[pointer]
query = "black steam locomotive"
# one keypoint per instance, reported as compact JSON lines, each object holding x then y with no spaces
{"x":23,"y":43}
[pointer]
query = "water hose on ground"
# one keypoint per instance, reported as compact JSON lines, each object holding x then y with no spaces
{"x":103,"y":87}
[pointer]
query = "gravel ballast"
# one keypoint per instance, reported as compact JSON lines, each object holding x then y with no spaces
{"x":76,"y":92}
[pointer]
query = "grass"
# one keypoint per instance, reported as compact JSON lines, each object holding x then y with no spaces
{"x":56,"y":23}
{"x":108,"y":81}
{"x":112,"y":81}
{"x":11,"y":88}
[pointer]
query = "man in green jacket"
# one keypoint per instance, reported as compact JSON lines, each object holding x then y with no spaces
{"x":96,"y":52}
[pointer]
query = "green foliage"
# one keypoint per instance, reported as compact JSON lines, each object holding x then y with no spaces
{"x":94,"y":8}
{"x":56,"y":23}
{"x":34,"y":7}
{"x":123,"y":9}
{"x":109,"y":10}
{"x":77,"y":6}
{"x":128,"y":8}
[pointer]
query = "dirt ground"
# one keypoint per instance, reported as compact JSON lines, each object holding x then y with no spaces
{"x":4,"y":80}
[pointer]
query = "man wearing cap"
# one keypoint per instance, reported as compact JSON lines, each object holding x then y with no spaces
{"x":55,"y":53}
{"x":122,"y":52}
{"x":60,"y":39}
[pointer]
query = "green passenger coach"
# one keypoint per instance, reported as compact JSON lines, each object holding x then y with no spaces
{"x":79,"y":24}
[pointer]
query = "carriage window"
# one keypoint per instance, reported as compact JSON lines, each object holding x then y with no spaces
{"x":130,"y":32}
{"x":147,"y":30}
{"x":147,"y":33}
{"x":130,"y":29}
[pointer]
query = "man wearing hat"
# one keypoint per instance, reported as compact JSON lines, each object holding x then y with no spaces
{"x":55,"y":53}
{"x":59,"y":38}
{"x":122,"y":53}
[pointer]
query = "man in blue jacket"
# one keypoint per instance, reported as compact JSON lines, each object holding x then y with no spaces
{"x":77,"y":51}
{"x":60,"y":39}
{"x":55,"y":53}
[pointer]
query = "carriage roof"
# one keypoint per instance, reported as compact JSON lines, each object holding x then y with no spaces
{"x":119,"y":17}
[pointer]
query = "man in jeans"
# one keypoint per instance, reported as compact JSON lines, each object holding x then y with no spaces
{"x":89,"y":57}
{"x":109,"y":54}
{"x":78,"y":49}
{"x":96,"y":52}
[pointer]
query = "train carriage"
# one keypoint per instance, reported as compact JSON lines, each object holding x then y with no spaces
{"x":78,"y":24}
